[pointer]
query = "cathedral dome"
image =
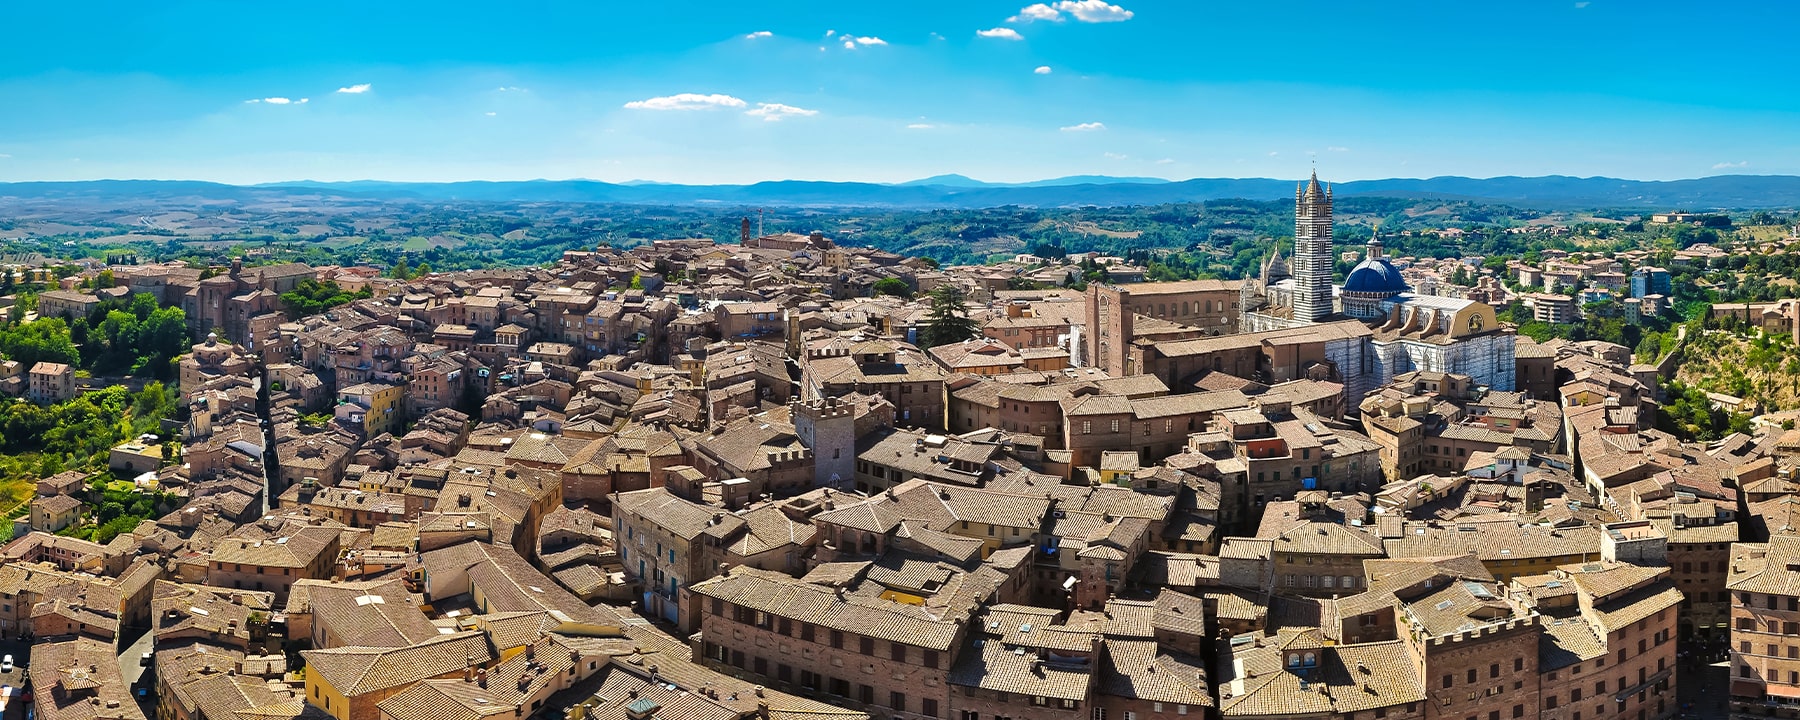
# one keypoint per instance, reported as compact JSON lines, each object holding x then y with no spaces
{"x":1374,"y":275}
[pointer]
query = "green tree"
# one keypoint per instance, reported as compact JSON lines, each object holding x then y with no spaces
{"x":947,"y":322}
{"x":893,"y":286}
{"x":400,"y":271}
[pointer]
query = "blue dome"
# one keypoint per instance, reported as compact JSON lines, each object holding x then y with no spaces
{"x":1374,"y":275}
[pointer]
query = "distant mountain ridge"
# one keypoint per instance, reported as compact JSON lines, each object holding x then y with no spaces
{"x":957,"y":191}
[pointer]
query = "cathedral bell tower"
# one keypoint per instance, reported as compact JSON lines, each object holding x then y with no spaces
{"x":1312,"y":264}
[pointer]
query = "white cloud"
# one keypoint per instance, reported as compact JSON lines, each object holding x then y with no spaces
{"x":1115,"y":156}
{"x":4,"y":156}
{"x":759,"y":34}
{"x":1336,"y":148}
{"x":774,"y":112}
{"x":1000,"y":32}
{"x":491,"y":114}
{"x":1085,"y":127}
{"x":1094,"y":11}
{"x":1581,"y":5}
{"x":509,"y":88}
{"x":356,"y":89}
{"x":1724,"y":165}
{"x":1087,"y":11}
{"x":1042,"y":70}
{"x":277,"y":101}
{"x":829,"y":33}
{"x":1036,"y":11}
{"x":870,"y":41}
{"x":849,"y":44}
{"x":686,"y":101}
{"x":920,"y":126}
{"x":1166,"y":161}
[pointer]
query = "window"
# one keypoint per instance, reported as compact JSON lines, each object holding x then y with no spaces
{"x":837,"y":639}
{"x":1518,"y":711}
{"x":931,"y":659}
{"x":865,"y":694}
{"x":1115,"y":425}
{"x":1518,"y":664}
{"x":1494,"y":670}
{"x":897,"y":652}
{"x":928,"y":707}
{"x":868,"y":646}
{"x":1087,"y":427}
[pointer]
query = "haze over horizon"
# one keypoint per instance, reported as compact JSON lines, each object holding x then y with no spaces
{"x":704,"y":93}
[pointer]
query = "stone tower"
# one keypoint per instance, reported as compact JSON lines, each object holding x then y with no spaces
{"x":828,"y":428}
{"x":1312,"y":264}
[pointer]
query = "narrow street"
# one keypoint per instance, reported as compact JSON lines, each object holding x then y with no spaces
{"x":130,"y":657}
{"x":270,"y":472}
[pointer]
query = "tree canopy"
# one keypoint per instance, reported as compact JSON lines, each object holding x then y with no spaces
{"x":948,"y":321}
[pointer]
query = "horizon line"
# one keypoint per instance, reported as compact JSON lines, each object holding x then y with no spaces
{"x":1122,"y":180}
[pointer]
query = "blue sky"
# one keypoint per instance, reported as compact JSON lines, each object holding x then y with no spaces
{"x":717,"y":92}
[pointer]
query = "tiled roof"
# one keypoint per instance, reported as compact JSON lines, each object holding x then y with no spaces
{"x":783,"y":596}
{"x":1253,"y":681}
{"x":1136,"y":669}
{"x":370,"y":614}
{"x":993,"y":665}
{"x":356,"y":671}
{"x":291,"y":551}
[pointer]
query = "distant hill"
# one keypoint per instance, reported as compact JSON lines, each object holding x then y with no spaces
{"x":957,"y":191}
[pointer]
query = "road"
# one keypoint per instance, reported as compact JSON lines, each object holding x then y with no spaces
{"x":129,"y":659}
{"x":130,"y":656}
{"x":1702,"y":690}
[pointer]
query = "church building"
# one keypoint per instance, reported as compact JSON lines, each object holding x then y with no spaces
{"x":1408,"y":332}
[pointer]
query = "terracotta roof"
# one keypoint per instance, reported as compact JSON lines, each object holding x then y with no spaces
{"x":783,"y":596}
{"x":356,"y":671}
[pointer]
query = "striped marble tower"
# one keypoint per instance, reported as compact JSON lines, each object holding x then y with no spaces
{"x":1312,"y":264}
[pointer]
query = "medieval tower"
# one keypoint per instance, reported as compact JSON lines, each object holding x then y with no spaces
{"x":1313,"y":261}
